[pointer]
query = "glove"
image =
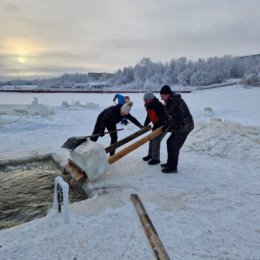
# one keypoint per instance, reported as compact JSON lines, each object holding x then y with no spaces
{"x":155,"y":126}
{"x":102,"y":133}
{"x":164,"y":128}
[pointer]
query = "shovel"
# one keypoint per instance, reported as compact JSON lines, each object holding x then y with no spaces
{"x":75,"y":141}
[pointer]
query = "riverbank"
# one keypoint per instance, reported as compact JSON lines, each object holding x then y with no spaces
{"x":80,"y":91}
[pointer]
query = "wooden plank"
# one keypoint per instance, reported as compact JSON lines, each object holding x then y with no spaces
{"x":127,"y":139}
{"x":75,"y":172}
{"x":150,"y":231}
{"x":134,"y":146}
{"x":76,"y":166}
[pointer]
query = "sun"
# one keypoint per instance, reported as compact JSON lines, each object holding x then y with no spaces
{"x":21,"y":59}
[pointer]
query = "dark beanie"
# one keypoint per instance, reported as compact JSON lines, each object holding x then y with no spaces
{"x":166,"y":90}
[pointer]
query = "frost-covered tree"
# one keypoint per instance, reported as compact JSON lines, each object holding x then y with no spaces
{"x":151,"y":75}
{"x":142,"y":70}
{"x":184,"y":76}
{"x":253,"y":77}
{"x":201,"y":77}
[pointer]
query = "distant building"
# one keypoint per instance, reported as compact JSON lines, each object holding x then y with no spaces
{"x":253,"y":57}
{"x":100,"y":76}
{"x":84,"y":85}
{"x":99,"y":85}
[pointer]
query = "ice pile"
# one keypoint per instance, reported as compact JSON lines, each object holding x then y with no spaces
{"x":77,"y":104}
{"x":26,"y":110}
{"x":91,"y":157}
{"x":39,"y":109}
{"x":225,"y":138}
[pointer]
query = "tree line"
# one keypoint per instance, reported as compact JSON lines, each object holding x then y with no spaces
{"x":147,"y":74}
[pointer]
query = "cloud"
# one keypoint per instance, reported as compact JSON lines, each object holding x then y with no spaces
{"x":10,"y":8}
{"x":108,"y":35}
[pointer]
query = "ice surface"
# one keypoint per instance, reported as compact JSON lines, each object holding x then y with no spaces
{"x":209,"y":210}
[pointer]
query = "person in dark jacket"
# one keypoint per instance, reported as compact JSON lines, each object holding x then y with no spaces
{"x":111,"y":116}
{"x":156,"y":115}
{"x":179,"y":123}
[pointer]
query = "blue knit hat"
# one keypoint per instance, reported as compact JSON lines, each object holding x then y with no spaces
{"x":166,"y":90}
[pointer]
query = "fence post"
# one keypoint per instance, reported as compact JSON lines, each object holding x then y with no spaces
{"x":64,"y":188}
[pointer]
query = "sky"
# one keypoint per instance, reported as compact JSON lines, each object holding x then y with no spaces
{"x":51,"y":37}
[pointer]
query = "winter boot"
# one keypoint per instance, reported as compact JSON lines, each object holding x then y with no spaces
{"x":163,"y":165}
{"x":153,"y":162}
{"x":147,"y":158}
{"x":168,"y":170}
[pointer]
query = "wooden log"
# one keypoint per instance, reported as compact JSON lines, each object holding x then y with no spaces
{"x":134,"y":146}
{"x":150,"y":231}
{"x":75,"y":172}
{"x":127,"y":139}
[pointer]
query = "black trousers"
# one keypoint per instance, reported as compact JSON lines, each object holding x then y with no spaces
{"x":109,"y":127}
{"x":174,"y":144}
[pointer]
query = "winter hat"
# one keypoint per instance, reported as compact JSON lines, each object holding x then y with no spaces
{"x":125,"y":109}
{"x":148,"y":95}
{"x":166,"y":90}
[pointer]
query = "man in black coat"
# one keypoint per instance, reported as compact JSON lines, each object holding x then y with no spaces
{"x":111,"y":116}
{"x":179,"y":123}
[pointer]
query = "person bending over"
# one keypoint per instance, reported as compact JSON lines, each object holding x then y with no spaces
{"x":108,"y":119}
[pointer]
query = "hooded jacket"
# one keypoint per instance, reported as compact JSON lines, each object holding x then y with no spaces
{"x":155,"y":113}
{"x":179,"y":117}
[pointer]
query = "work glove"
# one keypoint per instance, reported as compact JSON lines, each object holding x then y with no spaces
{"x":164,"y":128}
{"x":155,"y":126}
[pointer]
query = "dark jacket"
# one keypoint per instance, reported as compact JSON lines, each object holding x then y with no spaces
{"x":111,"y":116}
{"x":155,"y":114}
{"x":179,"y":117}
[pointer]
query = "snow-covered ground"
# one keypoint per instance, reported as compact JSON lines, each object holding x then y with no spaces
{"x":209,"y":210}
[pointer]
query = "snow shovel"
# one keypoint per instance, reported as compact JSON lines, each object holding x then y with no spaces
{"x":75,"y":141}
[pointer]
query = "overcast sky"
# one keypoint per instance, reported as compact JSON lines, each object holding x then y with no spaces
{"x":46,"y":38}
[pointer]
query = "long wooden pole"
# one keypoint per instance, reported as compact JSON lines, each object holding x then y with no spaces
{"x":150,"y":231}
{"x":134,"y":146}
{"x":127,"y":139}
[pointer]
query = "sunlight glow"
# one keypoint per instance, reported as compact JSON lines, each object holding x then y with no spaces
{"x":21,"y":59}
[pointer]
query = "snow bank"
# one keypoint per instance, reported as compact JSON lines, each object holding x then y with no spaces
{"x":225,"y":138}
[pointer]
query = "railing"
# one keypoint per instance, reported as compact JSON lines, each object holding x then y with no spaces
{"x":61,"y":196}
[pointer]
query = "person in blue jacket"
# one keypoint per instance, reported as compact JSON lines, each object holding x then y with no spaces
{"x":121,"y":100}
